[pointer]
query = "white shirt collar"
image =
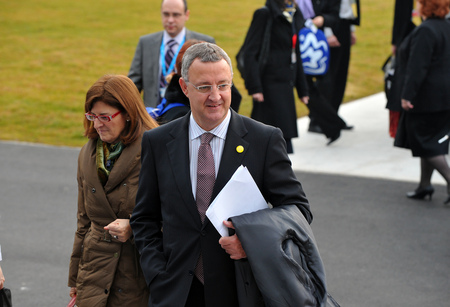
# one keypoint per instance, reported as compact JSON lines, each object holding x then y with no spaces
{"x":178,"y":38}
{"x":220,"y":131}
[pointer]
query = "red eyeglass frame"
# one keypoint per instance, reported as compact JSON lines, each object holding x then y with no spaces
{"x":110,"y":117}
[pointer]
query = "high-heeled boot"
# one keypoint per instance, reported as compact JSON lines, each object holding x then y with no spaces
{"x":421,"y":193}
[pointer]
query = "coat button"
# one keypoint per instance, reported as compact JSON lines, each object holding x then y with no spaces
{"x":120,"y":290}
{"x":106,"y":291}
{"x":93,"y":190}
{"x":116,"y":255}
{"x":124,"y":184}
{"x":191,"y":273}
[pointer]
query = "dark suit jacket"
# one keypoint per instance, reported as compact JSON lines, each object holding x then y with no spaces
{"x":165,"y":200}
{"x":425,"y":54}
{"x":329,"y":9}
{"x":144,"y":69}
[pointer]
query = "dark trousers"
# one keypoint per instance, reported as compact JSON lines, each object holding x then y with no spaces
{"x":321,"y":112}
{"x":333,"y":84}
{"x":196,"y":297}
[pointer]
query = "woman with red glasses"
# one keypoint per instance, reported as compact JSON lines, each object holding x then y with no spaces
{"x":104,"y":266}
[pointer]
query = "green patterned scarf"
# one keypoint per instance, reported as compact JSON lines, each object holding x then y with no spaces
{"x":107,"y":155}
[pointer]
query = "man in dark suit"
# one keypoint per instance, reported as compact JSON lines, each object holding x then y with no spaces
{"x":148,"y":68}
{"x":340,"y":39}
{"x":324,"y":119}
{"x":172,"y":237}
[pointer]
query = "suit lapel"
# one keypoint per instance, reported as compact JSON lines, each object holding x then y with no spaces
{"x":178,"y":150}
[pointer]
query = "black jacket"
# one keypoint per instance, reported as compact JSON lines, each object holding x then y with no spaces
{"x":280,"y":247}
{"x":424,"y":57}
{"x":280,"y":75}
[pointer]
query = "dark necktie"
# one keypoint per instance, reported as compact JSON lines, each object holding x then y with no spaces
{"x":206,"y":176}
{"x":167,"y":60}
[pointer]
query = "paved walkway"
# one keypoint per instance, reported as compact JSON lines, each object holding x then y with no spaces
{"x":365,"y":151}
{"x":379,"y":248}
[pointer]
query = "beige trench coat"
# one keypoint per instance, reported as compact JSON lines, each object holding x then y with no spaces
{"x":106,"y":271}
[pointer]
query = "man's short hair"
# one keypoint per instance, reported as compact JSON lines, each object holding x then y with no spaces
{"x":184,"y":2}
{"x":205,"y":52}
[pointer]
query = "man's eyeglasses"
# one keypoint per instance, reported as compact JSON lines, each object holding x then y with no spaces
{"x":102,"y":118}
{"x":206,"y":89}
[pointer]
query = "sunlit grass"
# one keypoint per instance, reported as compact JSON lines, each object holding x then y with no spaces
{"x":53,"y":50}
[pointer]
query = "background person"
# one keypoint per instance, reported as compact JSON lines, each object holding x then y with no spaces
{"x":405,"y":20}
{"x":272,"y":89}
{"x":324,"y":118}
{"x":340,"y":40}
{"x":104,"y":265}
{"x":183,"y":260}
{"x":425,"y":56}
{"x":155,"y":54}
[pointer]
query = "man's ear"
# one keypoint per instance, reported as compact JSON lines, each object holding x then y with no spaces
{"x":183,"y":86}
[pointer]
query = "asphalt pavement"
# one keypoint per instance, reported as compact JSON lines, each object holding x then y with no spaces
{"x":379,"y":248}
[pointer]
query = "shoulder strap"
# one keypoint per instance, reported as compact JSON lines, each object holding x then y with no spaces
{"x":264,"y":55}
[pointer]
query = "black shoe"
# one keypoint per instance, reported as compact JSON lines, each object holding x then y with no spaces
{"x":347,"y":127}
{"x":315,"y":129}
{"x":333,"y":138}
{"x":421,"y":193}
{"x":447,"y":201}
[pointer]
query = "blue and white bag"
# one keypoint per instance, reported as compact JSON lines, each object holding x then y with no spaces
{"x":314,"y":50}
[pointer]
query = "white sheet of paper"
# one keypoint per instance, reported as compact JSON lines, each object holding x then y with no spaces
{"x":239,"y":196}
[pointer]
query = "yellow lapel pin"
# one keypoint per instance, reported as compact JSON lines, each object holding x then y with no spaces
{"x":240,"y":149}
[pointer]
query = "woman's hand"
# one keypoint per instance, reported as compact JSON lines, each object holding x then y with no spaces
{"x":73,"y":291}
{"x":120,"y":229}
{"x":2,"y":279}
{"x":232,"y":245}
{"x":406,"y":105}
{"x":304,"y":99}
{"x":259,"y":97}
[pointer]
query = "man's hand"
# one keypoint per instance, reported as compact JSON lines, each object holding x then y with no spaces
{"x":232,"y":245}
{"x":333,"y":41}
{"x":353,"y":38}
{"x":259,"y":97}
{"x":318,"y":21}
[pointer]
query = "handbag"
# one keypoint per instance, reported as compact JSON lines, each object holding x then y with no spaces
{"x":5,"y":296}
{"x":264,"y":53}
{"x":389,"y":72}
{"x":314,"y":50}
{"x":72,"y":301}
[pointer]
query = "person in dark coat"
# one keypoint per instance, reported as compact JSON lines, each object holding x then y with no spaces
{"x":425,"y":57}
{"x":173,"y":236}
{"x":324,"y":118}
{"x":402,"y":27}
{"x":273,"y":88}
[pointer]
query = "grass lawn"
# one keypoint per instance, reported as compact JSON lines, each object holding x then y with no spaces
{"x":52,"y":51}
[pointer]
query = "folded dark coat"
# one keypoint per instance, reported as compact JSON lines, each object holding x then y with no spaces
{"x":284,"y":259}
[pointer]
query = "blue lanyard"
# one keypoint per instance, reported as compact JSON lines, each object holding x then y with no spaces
{"x":162,"y":56}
